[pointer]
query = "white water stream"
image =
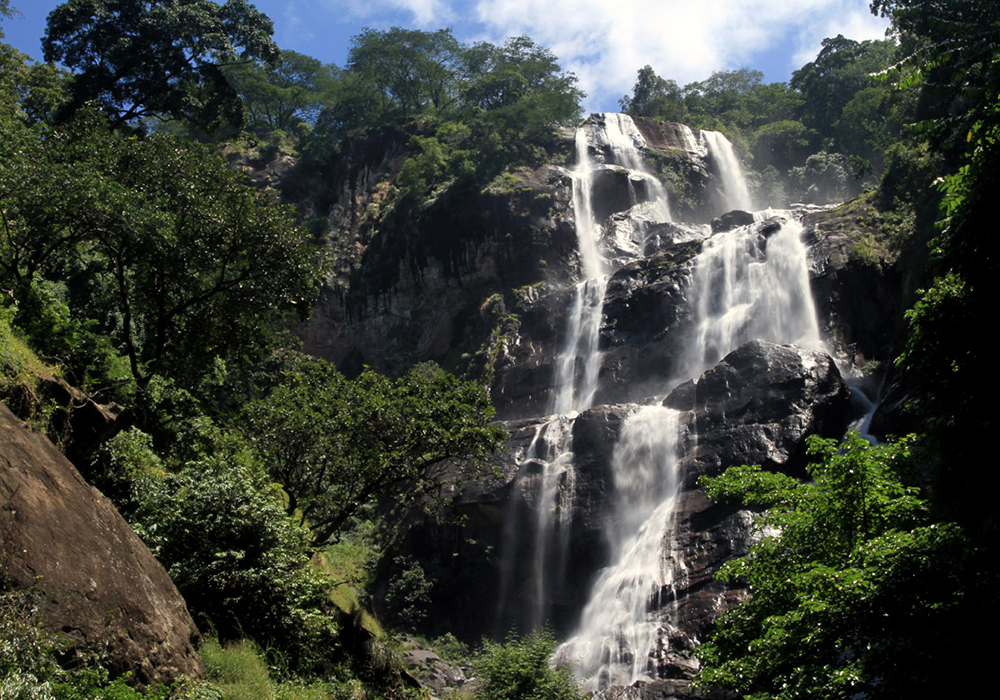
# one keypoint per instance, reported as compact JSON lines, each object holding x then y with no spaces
{"x":733,"y":190}
{"x":621,"y":628}
{"x":746,"y":284}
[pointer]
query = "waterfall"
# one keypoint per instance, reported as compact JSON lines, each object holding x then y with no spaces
{"x":584,"y":320}
{"x":748,"y":285}
{"x":553,"y":509}
{"x":733,"y":191}
{"x":621,"y":628}
{"x":625,"y":142}
{"x":578,"y":366}
{"x":547,"y":466}
{"x":714,"y":148}
{"x":587,"y":230}
{"x":581,"y":349}
{"x":577,"y":370}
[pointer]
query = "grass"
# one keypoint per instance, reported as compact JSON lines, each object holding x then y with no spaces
{"x":347,"y":564}
{"x":238,"y":671}
{"x":20,"y":372}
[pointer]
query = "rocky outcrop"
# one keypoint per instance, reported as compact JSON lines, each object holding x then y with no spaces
{"x":421,"y":287}
{"x":758,"y":405}
{"x":856,"y":280}
{"x":438,"y":677}
{"x":98,"y":583}
{"x":424,"y":289}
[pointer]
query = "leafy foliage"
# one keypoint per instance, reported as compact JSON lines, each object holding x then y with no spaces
{"x":220,"y":530}
{"x":853,"y":588}
{"x":174,"y":257}
{"x":285,"y":94}
{"x":337,"y":445}
{"x":653,"y":96}
{"x":519,"y":670}
{"x":950,"y":49}
{"x":160,"y":58}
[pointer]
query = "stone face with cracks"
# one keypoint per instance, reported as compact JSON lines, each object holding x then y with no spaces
{"x":97,"y":581}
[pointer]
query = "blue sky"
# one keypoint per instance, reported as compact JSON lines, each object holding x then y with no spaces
{"x":603,"y":41}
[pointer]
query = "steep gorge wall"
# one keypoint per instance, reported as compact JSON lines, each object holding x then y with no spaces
{"x":479,"y":283}
{"x":495,"y":297}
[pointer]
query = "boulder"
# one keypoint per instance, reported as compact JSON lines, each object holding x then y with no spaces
{"x":98,"y":583}
{"x":438,"y":677}
{"x":758,"y":405}
{"x":731,"y":220}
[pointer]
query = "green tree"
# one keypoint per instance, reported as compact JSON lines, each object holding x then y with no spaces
{"x":783,"y":144}
{"x":179,"y":261}
{"x":725,"y":95}
{"x":842,"y":68}
{"x":854,"y":589}
{"x":520,"y":86}
{"x":653,"y":96}
{"x":338,"y":446}
{"x":6,"y":11}
{"x":407,"y":69}
{"x":160,"y":58}
{"x":278,"y":96}
{"x":950,"y":50}
{"x":219,"y":529}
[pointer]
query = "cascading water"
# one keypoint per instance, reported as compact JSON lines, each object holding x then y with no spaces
{"x":733,"y":190}
{"x":578,"y":365}
{"x":548,"y":464}
{"x":747,"y":286}
{"x":751,"y":282}
{"x":584,"y":325}
{"x":621,"y":628}
{"x":579,"y":362}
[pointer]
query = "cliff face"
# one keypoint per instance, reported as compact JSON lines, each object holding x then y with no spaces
{"x":633,"y":343}
{"x":98,"y":582}
{"x":480,"y":282}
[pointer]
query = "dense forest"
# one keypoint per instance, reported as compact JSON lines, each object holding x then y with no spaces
{"x":143,"y":264}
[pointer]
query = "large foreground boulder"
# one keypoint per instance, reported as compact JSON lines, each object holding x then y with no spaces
{"x":98,"y":582}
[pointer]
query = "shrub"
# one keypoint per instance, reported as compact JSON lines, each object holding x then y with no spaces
{"x":519,"y":670}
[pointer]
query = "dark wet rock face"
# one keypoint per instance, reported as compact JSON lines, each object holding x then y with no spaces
{"x":97,"y":582}
{"x":758,"y":405}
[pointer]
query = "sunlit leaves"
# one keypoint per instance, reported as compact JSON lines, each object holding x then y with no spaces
{"x":160,"y":58}
{"x":191,"y":262}
{"x":846,"y":568}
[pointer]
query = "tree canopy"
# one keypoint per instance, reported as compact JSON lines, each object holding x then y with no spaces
{"x":338,"y":445}
{"x":282,"y":95}
{"x":162,"y":58}
{"x":653,"y":96}
{"x":854,"y":589}
{"x":179,"y":260}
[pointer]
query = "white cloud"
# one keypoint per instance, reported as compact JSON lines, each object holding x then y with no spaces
{"x":605,"y":42}
{"x":852,"y":21}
